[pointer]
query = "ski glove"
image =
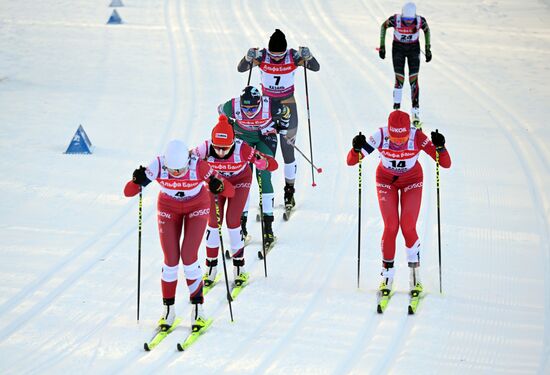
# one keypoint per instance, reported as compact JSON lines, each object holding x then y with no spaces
{"x":428,"y":54}
{"x":139,"y":177}
{"x":438,"y":140}
{"x":305,"y":53}
{"x":359,"y":142}
{"x":215,"y":185}
{"x":382,"y":52}
{"x":252,"y":53}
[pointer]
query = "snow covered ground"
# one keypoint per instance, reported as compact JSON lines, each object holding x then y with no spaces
{"x":68,"y":238}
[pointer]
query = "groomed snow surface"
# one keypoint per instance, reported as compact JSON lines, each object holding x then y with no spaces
{"x":68,"y":237}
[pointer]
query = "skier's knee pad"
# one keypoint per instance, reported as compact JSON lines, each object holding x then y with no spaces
{"x":212,"y":237}
{"x":192,"y":271}
{"x":236,"y":239}
{"x":169,"y":274}
{"x":413,"y":254}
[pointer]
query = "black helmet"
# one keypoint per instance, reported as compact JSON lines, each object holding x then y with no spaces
{"x":251,"y":96}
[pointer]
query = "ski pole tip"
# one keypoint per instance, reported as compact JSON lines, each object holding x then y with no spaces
{"x":314,"y":184}
{"x":319,"y":170}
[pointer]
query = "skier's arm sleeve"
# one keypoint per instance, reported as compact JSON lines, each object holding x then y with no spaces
{"x":246,"y":66}
{"x":226,"y":109}
{"x":387,"y":23}
{"x":426,"y":29}
{"x":243,"y":66}
{"x":201,"y":150}
{"x":424,"y":143}
{"x":131,"y":189}
{"x":272,"y":164}
{"x":205,"y":172}
{"x":353,"y":156}
{"x":151,"y":172}
{"x":311,"y":64}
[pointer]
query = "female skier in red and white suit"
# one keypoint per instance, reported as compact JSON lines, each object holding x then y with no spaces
{"x":183,"y":206}
{"x":399,"y":146}
{"x":231,"y":158}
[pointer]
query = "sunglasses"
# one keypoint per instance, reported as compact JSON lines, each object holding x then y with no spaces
{"x":399,"y":140}
{"x":222,"y":148}
{"x":250,"y":109}
{"x":407,"y":19}
{"x":277,"y":55}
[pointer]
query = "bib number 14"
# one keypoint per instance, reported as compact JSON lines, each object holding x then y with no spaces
{"x":398,"y":163}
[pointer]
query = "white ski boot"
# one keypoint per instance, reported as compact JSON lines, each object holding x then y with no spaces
{"x":415,"y":112}
{"x":198,"y":318}
{"x":211,"y":271}
{"x":167,"y":318}
{"x":241,"y":277}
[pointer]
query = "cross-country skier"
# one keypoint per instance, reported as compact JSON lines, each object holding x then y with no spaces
{"x":257,"y":119}
{"x":399,"y":181}
{"x":406,"y":46}
{"x":183,"y":206}
{"x":230,"y":157}
{"x":277,"y":66}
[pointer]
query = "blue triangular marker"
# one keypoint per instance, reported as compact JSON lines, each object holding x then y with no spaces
{"x":80,"y":144}
{"x":114,"y":19}
{"x":116,"y":3}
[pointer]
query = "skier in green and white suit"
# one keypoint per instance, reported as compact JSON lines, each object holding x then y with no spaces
{"x":256,"y":119}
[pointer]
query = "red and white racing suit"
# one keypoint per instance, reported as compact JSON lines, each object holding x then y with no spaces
{"x":399,"y":171}
{"x":234,"y":167}
{"x":183,"y":205}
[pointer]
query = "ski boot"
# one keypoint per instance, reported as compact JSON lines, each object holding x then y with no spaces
{"x":209,"y":276}
{"x":414,"y":280}
{"x":198,"y":318}
{"x":416,"y":118}
{"x":289,"y":200}
{"x":289,"y":196}
{"x":415,"y":286}
{"x":241,"y":277}
{"x":168,"y":315}
{"x":269,"y":237}
{"x":385,"y":288}
{"x":396,"y":106}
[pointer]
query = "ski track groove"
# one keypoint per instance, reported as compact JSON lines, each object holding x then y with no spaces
{"x":220,"y":307}
{"x":75,"y":254}
{"x":183,"y":42}
{"x":524,"y":156}
{"x":332,"y":30}
{"x":268,"y":318}
{"x":276,"y":351}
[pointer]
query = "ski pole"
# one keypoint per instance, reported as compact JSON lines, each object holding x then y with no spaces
{"x":438,"y":217}
{"x":140,"y":216}
{"x":218,"y":219}
{"x":309,"y":128}
{"x":359,"y":221}
{"x":289,"y":141}
{"x":262,"y":219}
{"x":250,"y":73}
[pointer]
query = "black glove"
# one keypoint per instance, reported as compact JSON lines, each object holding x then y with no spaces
{"x":428,"y":54}
{"x":382,"y":52}
{"x":438,"y":140}
{"x":215,"y":185}
{"x":139,"y":177}
{"x":359,"y":142}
